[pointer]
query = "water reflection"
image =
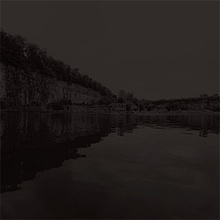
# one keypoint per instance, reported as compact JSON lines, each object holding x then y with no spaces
{"x":34,"y":142}
{"x":203,"y":123}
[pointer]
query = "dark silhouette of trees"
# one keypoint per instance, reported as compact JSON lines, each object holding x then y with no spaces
{"x":17,"y":52}
{"x":28,"y":57}
{"x":204,"y":102}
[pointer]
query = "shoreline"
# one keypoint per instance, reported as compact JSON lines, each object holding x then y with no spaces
{"x":147,"y":113}
{"x":179,"y":113}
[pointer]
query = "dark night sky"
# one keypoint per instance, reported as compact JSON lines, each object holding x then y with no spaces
{"x":160,"y":49}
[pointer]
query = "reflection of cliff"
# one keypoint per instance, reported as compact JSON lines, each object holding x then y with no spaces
{"x":24,"y":164}
{"x":33,"y":142}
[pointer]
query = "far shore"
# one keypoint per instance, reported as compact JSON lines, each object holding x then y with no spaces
{"x":198,"y":112}
{"x":153,"y":113}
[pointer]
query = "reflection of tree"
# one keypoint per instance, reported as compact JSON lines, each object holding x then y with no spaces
{"x":205,"y":123}
{"x":34,"y":142}
{"x":203,"y":133}
{"x":126,"y":123}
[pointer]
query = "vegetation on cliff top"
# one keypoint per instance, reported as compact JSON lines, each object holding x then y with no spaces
{"x":17,"y":52}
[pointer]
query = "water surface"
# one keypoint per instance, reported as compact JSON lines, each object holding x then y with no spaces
{"x":109,"y":166}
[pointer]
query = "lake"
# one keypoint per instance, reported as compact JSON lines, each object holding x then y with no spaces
{"x":115,"y":166}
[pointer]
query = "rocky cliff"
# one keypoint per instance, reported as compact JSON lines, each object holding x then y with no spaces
{"x":20,"y":90}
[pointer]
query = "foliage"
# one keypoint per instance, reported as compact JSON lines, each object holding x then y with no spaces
{"x":204,"y":102}
{"x":18,"y":53}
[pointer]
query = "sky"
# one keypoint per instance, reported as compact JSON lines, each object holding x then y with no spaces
{"x":155,"y":49}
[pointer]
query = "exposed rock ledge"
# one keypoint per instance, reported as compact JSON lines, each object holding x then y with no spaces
{"x":20,"y":90}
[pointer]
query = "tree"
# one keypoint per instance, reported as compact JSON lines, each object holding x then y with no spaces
{"x":28,"y":57}
{"x":121,"y":96}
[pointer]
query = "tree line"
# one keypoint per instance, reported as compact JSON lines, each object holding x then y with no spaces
{"x":203,"y":102}
{"x":17,"y":52}
{"x":20,"y":54}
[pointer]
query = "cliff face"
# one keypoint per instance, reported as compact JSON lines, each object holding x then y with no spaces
{"x":19,"y":90}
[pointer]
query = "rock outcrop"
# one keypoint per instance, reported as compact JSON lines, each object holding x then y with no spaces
{"x":20,"y":90}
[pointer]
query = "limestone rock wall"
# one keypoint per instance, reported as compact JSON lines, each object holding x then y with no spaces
{"x":26,"y":89}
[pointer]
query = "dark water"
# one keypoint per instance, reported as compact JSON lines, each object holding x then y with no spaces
{"x":109,"y":166}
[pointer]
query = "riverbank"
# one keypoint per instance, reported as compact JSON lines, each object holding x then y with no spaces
{"x":104,"y":110}
{"x":178,"y":112}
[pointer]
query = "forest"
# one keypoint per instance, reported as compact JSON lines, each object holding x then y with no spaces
{"x":16,"y":52}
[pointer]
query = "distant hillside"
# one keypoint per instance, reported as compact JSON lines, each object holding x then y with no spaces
{"x":126,"y":101}
{"x":204,"y":102}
